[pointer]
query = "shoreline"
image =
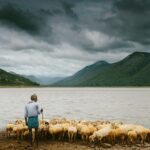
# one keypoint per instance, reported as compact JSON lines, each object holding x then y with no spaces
{"x":13,"y":144}
{"x":82,"y":87}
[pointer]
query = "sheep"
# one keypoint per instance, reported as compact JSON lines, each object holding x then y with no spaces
{"x":132,"y":137}
{"x":112,"y":136}
{"x":79,"y":126}
{"x":19,"y":130}
{"x":41,"y":129}
{"x":65,"y":129}
{"x":88,"y":131}
{"x":98,"y":131}
{"x":18,"y":122}
{"x":84,"y":132}
{"x":101,"y":126}
{"x":72,"y":132}
{"x":148,"y":136}
{"x":122,"y":132}
{"x":120,"y":135}
{"x":100,"y":134}
{"x":56,"y":130}
{"x":9,"y":128}
{"x":26,"y":134}
{"x":142,"y":133}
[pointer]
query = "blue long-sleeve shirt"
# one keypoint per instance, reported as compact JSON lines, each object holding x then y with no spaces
{"x":32,"y":109}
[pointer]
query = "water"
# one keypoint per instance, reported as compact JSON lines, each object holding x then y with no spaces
{"x":130,"y":105}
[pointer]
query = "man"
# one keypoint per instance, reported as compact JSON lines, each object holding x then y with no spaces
{"x":31,"y":117}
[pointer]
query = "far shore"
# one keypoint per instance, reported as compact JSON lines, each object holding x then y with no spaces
{"x":74,"y":86}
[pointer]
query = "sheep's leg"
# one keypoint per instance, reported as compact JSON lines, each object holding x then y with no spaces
{"x":63,"y":135}
{"x":113,"y":140}
{"x":68,"y":136}
{"x":8,"y":134}
{"x":143,"y":138}
{"x":82,"y":136}
{"x":129,"y":140}
{"x":75,"y":136}
{"x":148,"y":137}
{"x":71,"y":136}
{"x":123,"y":140}
{"x":86,"y":137}
{"x":22,"y":135}
{"x":100,"y":140}
{"x":59,"y":136}
{"x":53,"y":136}
{"x":17,"y":135}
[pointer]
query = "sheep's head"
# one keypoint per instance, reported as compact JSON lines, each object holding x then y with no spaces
{"x":91,"y":138}
{"x":18,"y":121}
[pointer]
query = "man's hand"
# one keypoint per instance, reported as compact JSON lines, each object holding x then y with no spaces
{"x":26,"y":121}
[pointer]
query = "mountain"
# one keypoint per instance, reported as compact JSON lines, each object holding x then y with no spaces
{"x":43,"y":80}
{"x":134,"y":70}
{"x":12,"y":79}
{"x":84,"y":75}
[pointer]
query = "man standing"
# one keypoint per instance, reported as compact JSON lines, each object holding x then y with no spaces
{"x":31,"y":117}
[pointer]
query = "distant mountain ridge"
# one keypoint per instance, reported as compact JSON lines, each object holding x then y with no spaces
{"x":43,"y":80}
{"x":134,"y":70}
{"x":12,"y":79}
{"x":84,"y":74}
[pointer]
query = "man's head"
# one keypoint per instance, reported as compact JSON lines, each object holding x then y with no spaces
{"x":34,"y":97}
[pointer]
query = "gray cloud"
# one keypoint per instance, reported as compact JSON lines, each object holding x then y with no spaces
{"x":61,"y":37}
{"x":19,"y":18}
{"x":130,"y":21}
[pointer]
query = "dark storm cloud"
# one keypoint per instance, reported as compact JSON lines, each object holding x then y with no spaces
{"x":136,"y":6}
{"x":72,"y":33}
{"x":130,"y":21}
{"x":68,"y":8}
{"x":19,"y":18}
{"x":28,"y":16}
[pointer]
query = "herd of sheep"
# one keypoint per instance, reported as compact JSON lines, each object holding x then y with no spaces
{"x":94,"y":132}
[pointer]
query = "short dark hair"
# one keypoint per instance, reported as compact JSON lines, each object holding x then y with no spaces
{"x":33,"y":97}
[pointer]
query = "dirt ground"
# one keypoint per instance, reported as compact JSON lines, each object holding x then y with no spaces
{"x":13,"y":144}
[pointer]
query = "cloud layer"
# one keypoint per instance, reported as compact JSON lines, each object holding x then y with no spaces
{"x":58,"y":38}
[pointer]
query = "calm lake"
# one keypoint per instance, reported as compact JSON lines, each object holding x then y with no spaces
{"x":130,"y":105}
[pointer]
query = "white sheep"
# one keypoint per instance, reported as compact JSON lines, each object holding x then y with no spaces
{"x":132,"y":137}
{"x":100,"y":134}
{"x":56,"y":130}
{"x":72,"y":132}
{"x":9,"y":128}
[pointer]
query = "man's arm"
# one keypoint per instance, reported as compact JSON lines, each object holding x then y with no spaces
{"x":38,"y":109}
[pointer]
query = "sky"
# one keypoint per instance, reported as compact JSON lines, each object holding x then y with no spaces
{"x":58,"y":38}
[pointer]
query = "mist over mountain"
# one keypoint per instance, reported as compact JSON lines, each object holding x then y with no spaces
{"x":43,"y":80}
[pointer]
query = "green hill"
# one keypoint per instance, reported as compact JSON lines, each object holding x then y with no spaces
{"x":12,"y":79}
{"x":84,"y":75}
{"x":134,"y":70}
